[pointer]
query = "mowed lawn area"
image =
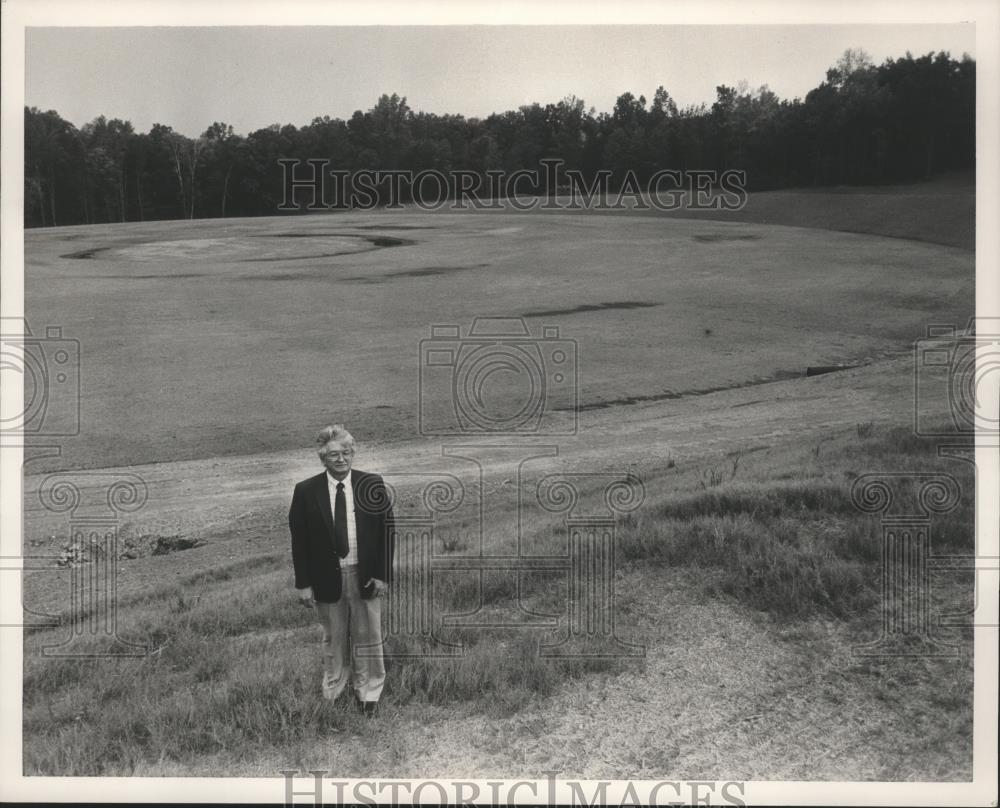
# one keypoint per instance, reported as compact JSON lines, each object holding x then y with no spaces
{"x":237,"y":336}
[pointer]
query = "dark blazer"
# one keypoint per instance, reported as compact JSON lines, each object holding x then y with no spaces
{"x":310,"y":520}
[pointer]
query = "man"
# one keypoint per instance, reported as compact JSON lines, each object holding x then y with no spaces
{"x":342,"y":547}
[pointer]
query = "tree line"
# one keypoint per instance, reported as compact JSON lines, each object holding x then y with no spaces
{"x":903,"y":120}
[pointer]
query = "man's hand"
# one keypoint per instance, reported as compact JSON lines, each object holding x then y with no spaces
{"x":380,"y":586}
{"x":306,"y":596}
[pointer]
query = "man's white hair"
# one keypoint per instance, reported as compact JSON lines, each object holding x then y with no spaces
{"x":334,"y":432}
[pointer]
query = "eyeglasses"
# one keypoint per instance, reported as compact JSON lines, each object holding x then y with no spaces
{"x":345,"y":454}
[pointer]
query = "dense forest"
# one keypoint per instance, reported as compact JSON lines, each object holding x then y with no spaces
{"x":903,"y":120}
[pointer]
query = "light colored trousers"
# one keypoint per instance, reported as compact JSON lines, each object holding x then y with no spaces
{"x":352,"y":642}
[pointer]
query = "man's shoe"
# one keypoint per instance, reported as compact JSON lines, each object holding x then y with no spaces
{"x":370,"y":708}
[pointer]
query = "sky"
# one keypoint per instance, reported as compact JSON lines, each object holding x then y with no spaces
{"x":251,"y":77}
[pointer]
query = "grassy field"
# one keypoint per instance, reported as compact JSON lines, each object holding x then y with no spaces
{"x":211,"y":350}
{"x":230,"y":685}
{"x":240,"y":335}
{"x":940,"y":211}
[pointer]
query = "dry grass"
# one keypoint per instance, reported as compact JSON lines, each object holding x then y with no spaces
{"x":233,"y":669}
{"x":793,"y":544}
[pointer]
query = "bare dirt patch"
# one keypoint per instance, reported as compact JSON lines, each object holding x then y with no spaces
{"x":253,"y":247}
{"x":376,"y":242}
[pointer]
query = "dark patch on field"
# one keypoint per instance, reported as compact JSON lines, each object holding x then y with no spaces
{"x":625,"y":304}
{"x":85,"y":254}
{"x":328,"y":234}
{"x":389,"y":241}
{"x":161,"y":276}
{"x":779,"y":376}
{"x":133,"y":547}
{"x":171,"y":544}
{"x":306,"y":257}
{"x":399,"y":227}
{"x":279,"y":276}
{"x":422,"y":272}
{"x":819,"y":370}
{"x":710,"y":238}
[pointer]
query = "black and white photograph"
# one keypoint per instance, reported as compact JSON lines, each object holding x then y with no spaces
{"x":554,"y":404}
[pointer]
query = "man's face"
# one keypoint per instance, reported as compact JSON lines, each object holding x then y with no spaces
{"x":337,"y":457}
